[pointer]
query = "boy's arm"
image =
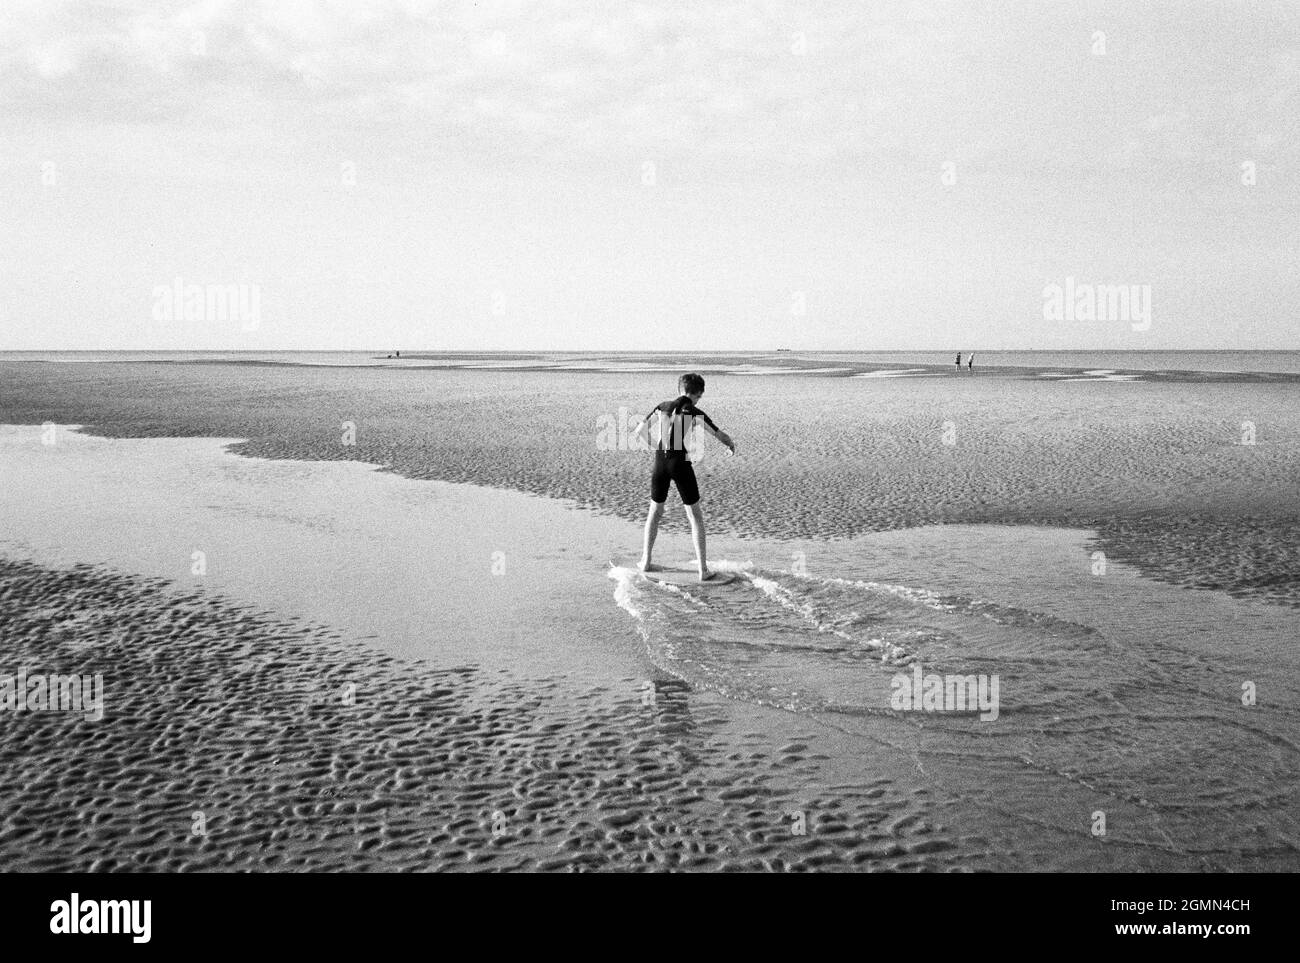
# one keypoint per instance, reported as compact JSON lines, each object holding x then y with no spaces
{"x":713,"y":429}
{"x":642,"y":430}
{"x":719,"y":434}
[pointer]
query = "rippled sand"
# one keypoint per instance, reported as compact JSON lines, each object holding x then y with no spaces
{"x":1160,"y":470}
{"x":239,"y":716}
{"x":1135,"y":714}
{"x":226,"y":709}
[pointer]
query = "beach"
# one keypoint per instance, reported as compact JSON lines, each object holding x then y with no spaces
{"x":361,"y":615}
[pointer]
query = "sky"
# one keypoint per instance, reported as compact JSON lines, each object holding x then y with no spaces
{"x":399,"y":174}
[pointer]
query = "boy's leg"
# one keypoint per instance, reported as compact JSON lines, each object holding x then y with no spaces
{"x":689,"y":488}
{"x":696,"y":514}
{"x":651,"y":532}
{"x":660,"y":477}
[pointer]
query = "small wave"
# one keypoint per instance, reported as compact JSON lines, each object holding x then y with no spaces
{"x":827,"y":644}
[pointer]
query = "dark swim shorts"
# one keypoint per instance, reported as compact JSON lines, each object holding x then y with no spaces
{"x":673,"y":466}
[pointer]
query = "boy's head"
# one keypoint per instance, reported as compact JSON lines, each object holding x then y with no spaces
{"x":691,"y":384}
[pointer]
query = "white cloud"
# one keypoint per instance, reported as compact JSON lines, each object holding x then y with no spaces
{"x":798,"y":145}
{"x":915,"y":82}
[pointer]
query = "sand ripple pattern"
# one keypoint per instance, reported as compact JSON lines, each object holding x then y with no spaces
{"x":1159,"y":469}
{"x":215,"y":709}
{"x":1155,"y":737}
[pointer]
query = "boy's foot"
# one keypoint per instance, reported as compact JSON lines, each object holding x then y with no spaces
{"x":705,"y":575}
{"x":645,"y":566}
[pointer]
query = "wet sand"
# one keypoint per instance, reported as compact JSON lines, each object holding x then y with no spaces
{"x":499,"y":721}
{"x":1160,"y":471}
{"x":507,"y":723}
{"x":237,"y":740}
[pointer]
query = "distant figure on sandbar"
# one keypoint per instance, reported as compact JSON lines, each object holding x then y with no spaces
{"x":399,"y":354}
{"x":970,"y":362}
{"x":958,"y":360}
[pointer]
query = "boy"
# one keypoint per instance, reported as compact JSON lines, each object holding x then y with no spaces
{"x":677,"y":420}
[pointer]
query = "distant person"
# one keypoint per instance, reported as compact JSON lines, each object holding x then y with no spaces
{"x":970,"y":362}
{"x":958,"y":360}
{"x":677,"y":420}
{"x":399,"y":354}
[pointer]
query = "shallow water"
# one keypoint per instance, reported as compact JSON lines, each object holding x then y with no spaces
{"x":1115,"y":694}
{"x":1193,"y":482}
{"x":532,"y":705}
{"x":773,"y":362}
{"x":1118,"y":694}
